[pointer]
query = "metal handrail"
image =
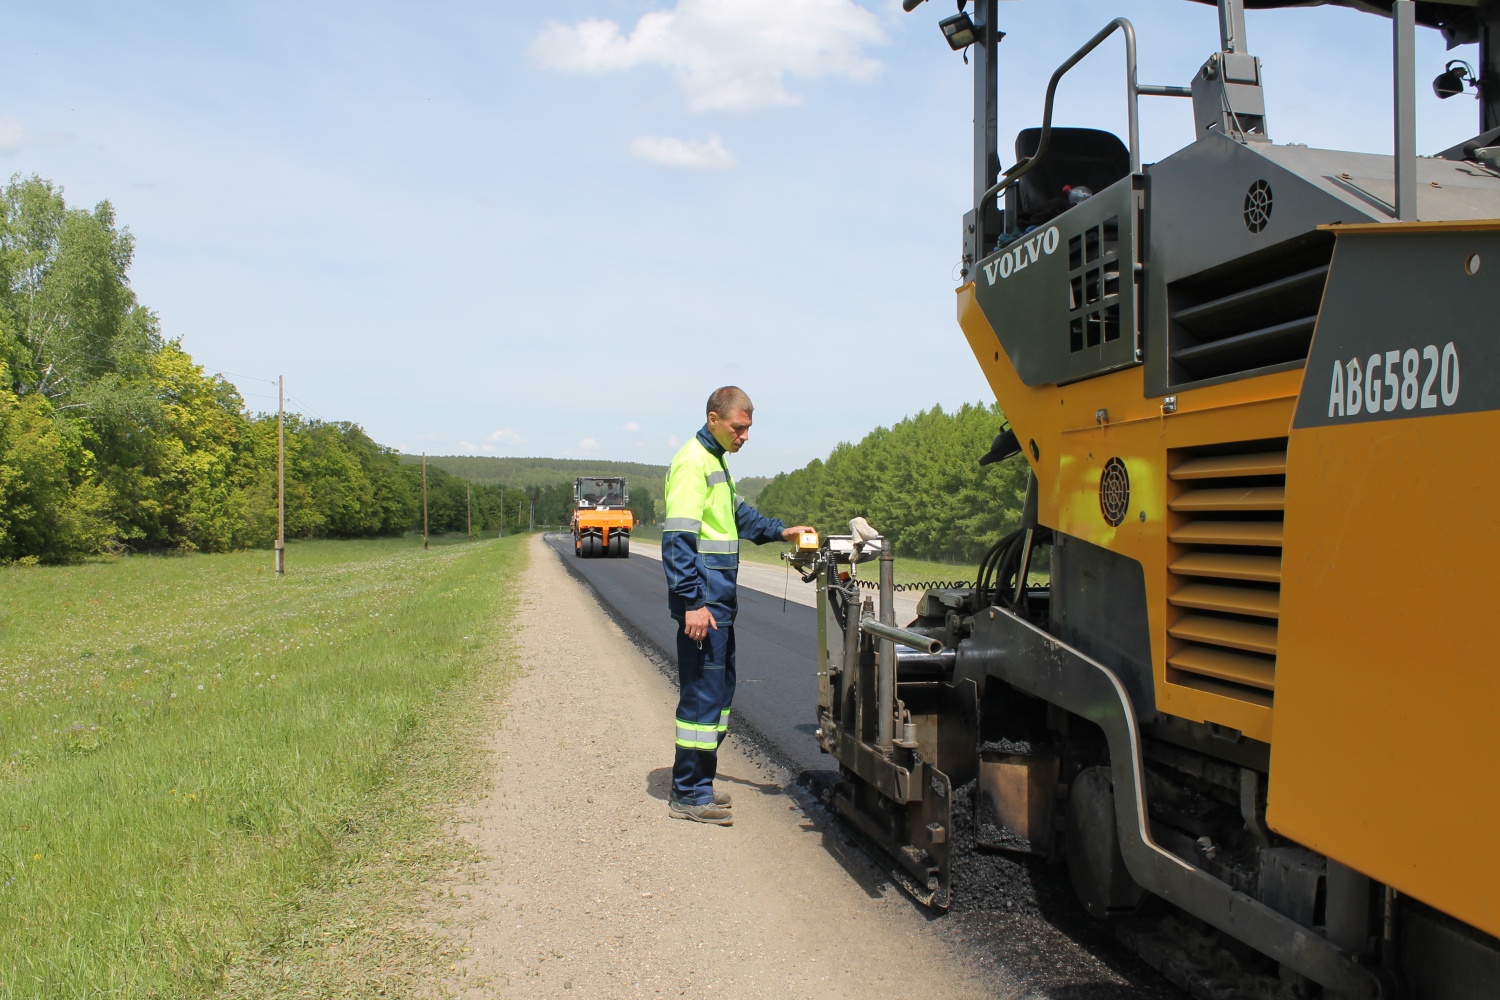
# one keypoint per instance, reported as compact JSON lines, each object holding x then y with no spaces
{"x":1133,"y":91}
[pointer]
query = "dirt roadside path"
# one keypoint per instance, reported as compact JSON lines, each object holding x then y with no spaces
{"x":590,"y":889}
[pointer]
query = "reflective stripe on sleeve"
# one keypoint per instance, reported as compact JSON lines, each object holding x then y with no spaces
{"x":718,"y":545}
{"x":715,"y":478}
{"x":681,"y":524}
{"x":693,"y":736}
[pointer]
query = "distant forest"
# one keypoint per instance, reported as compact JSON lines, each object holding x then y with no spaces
{"x":919,"y":482}
{"x":528,"y":473}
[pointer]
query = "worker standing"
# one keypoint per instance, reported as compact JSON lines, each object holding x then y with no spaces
{"x":700,"y":544}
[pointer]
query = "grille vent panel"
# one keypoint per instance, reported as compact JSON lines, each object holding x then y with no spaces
{"x":1224,"y":589}
{"x":1253,"y":313}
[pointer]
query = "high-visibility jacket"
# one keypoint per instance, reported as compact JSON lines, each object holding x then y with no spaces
{"x":705,"y":520}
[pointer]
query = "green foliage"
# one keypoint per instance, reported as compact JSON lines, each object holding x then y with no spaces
{"x":920,"y":482}
{"x":50,"y":506}
{"x":642,"y":503}
{"x":750,"y":487}
{"x":448,"y":502}
{"x":528,"y":472}
{"x":112,"y":438}
{"x":554,"y":502}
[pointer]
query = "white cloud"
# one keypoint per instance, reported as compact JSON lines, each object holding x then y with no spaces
{"x":724,"y":53}
{"x":673,"y":441}
{"x":632,"y":427}
{"x":14,"y":137}
{"x":589,"y":444}
{"x":689,"y":154}
{"x":493,"y":442}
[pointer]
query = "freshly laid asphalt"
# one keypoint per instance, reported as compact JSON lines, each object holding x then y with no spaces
{"x":777,"y":691}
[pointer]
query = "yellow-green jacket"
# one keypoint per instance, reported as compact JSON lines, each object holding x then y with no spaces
{"x":705,"y":520}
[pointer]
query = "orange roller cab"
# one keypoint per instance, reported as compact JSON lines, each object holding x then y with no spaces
{"x":601,"y":520}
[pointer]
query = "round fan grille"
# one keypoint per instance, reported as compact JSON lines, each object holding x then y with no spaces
{"x":1114,"y":492}
{"x":1258,"y":206}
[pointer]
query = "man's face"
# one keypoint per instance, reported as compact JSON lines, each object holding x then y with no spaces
{"x":732,"y":431}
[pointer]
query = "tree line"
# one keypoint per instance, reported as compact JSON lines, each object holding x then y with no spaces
{"x":528,"y":472}
{"x":113,"y":439}
{"x":504,"y":508}
{"x":919,"y":482}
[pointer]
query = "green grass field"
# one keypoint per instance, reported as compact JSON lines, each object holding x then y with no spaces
{"x":906,"y":570}
{"x":201,"y":765}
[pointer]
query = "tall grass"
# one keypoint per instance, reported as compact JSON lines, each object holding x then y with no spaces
{"x":186,"y":742}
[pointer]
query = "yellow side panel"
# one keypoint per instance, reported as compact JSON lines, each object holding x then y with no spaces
{"x":1388,"y":676}
{"x":1074,"y":441}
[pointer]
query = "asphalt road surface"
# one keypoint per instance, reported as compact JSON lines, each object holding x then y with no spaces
{"x":777,"y":693}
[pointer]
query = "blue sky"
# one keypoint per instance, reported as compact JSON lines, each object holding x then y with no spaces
{"x":547,"y":229}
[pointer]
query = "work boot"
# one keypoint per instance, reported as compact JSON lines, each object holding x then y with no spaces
{"x":723,"y":799}
{"x":706,"y":813}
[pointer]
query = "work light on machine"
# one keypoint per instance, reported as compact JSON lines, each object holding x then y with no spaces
{"x":1453,"y":78}
{"x":960,"y":30}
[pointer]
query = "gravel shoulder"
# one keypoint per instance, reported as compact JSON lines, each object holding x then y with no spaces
{"x":588,"y":888}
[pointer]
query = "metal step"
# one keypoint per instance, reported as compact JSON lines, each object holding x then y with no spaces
{"x":1233,"y":600}
{"x":1237,"y":301}
{"x":1227,"y":566}
{"x":1249,"y":344}
{"x":1271,"y":463}
{"x":1231,"y":498}
{"x":1220,"y":664}
{"x":1266,"y":534}
{"x":1252,"y":637}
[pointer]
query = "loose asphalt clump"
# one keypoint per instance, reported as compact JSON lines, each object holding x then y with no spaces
{"x":1017,"y":912}
{"x":990,"y":880}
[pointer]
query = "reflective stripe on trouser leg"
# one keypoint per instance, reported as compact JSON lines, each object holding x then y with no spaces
{"x":692,"y":736}
{"x":706,"y":684}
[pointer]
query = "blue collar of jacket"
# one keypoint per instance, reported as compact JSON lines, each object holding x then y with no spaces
{"x":707,"y":440}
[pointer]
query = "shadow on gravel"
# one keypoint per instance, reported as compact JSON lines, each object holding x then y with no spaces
{"x":764,"y":788}
{"x":659,"y":784}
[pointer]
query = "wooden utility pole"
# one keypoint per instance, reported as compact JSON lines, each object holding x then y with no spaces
{"x":531,"y":523}
{"x":502,"y":513}
{"x":424,"y":499}
{"x":469,"y":507}
{"x":280,"y":474}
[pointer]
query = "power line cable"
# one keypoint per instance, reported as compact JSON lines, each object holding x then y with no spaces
{"x":309,"y":408}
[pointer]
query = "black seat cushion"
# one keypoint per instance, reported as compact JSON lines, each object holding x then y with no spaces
{"x":1075,"y":157}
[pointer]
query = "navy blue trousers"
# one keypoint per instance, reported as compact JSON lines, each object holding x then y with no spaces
{"x":706,"y":681}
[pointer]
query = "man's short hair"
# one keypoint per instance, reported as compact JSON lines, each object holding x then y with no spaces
{"x":726,"y":400}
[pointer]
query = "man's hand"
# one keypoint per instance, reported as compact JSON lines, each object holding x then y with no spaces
{"x":790,"y":534}
{"x":697,"y":623}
